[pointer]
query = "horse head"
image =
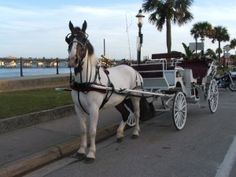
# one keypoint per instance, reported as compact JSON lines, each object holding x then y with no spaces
{"x":78,"y":44}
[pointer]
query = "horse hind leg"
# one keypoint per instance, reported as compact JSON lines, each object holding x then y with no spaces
{"x":124,"y":113}
{"x":136,"y":107}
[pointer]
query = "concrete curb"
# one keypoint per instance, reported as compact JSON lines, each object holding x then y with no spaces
{"x":34,"y":82}
{"x":26,"y":164}
{"x":13,"y":123}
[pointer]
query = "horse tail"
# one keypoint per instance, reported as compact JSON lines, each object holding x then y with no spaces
{"x":139,"y":80}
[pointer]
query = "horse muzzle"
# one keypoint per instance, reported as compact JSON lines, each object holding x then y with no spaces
{"x":73,"y":62}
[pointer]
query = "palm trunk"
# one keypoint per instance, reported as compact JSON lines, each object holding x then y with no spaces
{"x":168,"y":35}
{"x":219,"y":49}
{"x":196,"y":46}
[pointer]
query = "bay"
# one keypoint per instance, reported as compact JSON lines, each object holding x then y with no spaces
{"x":15,"y":72}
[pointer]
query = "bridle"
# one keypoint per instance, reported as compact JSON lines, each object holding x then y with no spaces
{"x":81,"y":41}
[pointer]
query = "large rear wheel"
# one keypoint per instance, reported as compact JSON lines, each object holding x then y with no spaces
{"x":179,"y":110}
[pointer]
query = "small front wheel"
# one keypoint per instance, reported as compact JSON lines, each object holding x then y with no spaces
{"x":179,"y":110}
{"x":131,"y":121}
{"x":232,"y":87}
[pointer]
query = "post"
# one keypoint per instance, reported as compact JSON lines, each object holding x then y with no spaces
{"x":21,"y":67}
{"x":57,"y":66}
{"x":104,"y":47}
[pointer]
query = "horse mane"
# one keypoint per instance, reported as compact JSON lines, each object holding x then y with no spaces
{"x":90,"y":48}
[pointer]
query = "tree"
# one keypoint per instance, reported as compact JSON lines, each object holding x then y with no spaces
{"x":202,"y":30}
{"x":219,"y":34}
{"x":167,"y":11}
{"x":232,"y":43}
{"x":195,"y":33}
{"x":211,"y":53}
{"x":188,"y":53}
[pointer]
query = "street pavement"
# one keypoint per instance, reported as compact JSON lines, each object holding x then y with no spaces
{"x":206,"y":147}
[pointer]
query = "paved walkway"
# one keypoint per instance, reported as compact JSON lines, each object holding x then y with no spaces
{"x":24,"y":142}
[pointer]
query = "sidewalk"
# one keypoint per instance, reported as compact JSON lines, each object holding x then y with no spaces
{"x":45,"y":140}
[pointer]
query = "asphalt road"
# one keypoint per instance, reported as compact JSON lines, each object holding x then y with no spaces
{"x":206,"y":147}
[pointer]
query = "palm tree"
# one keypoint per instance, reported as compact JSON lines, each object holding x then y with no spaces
{"x":211,"y":53}
{"x":195,"y":33}
{"x":202,"y":30}
{"x":220,"y":34}
{"x":167,"y":11}
{"x":188,"y":53}
{"x":232,"y":43}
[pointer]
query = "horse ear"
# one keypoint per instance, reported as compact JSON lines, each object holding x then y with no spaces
{"x":84,"y":26}
{"x":71,"y":26}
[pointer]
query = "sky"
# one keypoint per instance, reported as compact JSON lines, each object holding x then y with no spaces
{"x":30,"y":28}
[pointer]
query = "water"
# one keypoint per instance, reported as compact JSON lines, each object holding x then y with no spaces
{"x":15,"y":72}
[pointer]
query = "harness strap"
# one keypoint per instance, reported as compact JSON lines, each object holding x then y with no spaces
{"x":81,"y":104}
{"x":107,"y":97}
{"x":105,"y":100}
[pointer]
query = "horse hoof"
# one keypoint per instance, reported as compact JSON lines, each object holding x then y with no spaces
{"x":119,"y":140}
{"x":89,"y":160}
{"x":135,"y":136}
{"x":79,"y":156}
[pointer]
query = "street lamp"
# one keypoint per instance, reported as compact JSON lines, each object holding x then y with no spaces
{"x":140,"y":17}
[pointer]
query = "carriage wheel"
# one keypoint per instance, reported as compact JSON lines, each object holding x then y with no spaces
{"x":131,"y":121}
{"x":213,"y":96}
{"x":179,"y":110}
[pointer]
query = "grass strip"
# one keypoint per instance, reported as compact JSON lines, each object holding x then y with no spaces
{"x":22,"y":102}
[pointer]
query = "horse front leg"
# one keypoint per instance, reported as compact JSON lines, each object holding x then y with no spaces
{"x":93,"y":118}
{"x":81,"y":153}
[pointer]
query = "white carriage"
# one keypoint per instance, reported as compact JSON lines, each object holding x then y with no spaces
{"x":177,"y":83}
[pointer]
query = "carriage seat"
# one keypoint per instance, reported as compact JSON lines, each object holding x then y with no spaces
{"x":167,"y":56}
{"x":156,"y":76}
{"x":151,"y":70}
{"x":199,"y":68}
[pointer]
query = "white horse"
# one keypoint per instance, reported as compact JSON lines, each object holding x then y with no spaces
{"x":89,"y":100}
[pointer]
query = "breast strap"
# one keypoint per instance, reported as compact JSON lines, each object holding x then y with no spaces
{"x":87,"y":87}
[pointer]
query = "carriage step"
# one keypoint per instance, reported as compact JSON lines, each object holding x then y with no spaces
{"x":162,"y":110}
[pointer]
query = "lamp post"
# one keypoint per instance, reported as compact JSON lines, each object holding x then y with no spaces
{"x":140,"y":17}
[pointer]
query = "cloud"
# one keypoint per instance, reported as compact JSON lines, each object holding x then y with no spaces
{"x":33,"y":31}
